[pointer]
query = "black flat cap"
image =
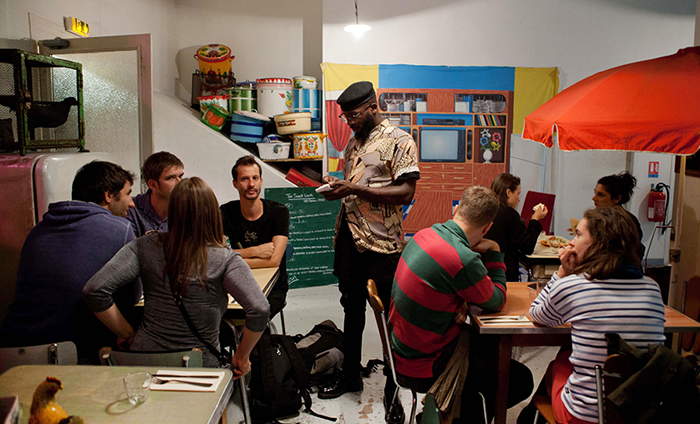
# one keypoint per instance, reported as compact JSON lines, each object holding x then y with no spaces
{"x":357,"y":94}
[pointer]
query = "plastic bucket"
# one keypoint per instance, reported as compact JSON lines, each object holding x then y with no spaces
{"x":274,"y":96}
{"x":246,"y":127}
{"x":306,"y":100}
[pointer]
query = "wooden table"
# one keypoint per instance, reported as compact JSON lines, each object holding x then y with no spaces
{"x":96,"y":393}
{"x":527,"y":333}
{"x":266,"y":279}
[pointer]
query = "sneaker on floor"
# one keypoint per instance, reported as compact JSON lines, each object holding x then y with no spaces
{"x":340,"y":386}
{"x":395,"y":413}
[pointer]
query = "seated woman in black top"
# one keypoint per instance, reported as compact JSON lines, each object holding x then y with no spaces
{"x":616,"y":190}
{"x":508,"y":228}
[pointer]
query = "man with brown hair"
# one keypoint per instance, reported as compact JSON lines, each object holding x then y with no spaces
{"x":258,"y":228}
{"x":444,"y":270}
{"x":161,"y":172}
{"x":71,"y":243}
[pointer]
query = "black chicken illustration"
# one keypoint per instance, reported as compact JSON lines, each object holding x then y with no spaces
{"x":44,"y":114}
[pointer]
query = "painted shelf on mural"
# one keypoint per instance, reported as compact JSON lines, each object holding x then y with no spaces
{"x":293,"y":160}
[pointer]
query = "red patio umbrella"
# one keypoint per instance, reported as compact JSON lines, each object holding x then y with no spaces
{"x":648,"y":106}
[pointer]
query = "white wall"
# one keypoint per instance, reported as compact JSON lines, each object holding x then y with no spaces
{"x":579,"y":37}
{"x":206,"y":153}
{"x":105,"y":17}
{"x":267,"y":37}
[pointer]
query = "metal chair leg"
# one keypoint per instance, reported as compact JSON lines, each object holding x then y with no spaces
{"x":284,"y":328}
{"x":244,"y":400}
{"x":413,"y":407}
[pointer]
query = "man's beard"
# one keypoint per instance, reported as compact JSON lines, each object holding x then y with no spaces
{"x":366,"y":130}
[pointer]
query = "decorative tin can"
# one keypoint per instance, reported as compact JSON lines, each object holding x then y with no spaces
{"x":305,"y":82}
{"x":247,"y":126}
{"x":306,"y":100}
{"x":243,"y":97}
{"x":292,"y":123}
{"x":308,"y":145}
{"x":215,"y":117}
{"x":274,"y":96}
{"x":214,"y":59}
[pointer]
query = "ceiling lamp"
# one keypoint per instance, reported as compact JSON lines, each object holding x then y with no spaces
{"x":357,"y":28}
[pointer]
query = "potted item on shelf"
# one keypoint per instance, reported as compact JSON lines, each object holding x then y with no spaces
{"x":247,"y":126}
{"x":308,"y":145}
{"x":491,"y":145}
{"x":272,"y":151}
{"x":291,"y":123}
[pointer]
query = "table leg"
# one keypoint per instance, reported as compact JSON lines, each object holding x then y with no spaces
{"x":505,"y":344}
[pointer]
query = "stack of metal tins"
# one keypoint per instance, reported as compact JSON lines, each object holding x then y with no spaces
{"x":306,"y":97}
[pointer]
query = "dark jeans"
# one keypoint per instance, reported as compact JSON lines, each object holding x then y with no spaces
{"x":353,"y":269}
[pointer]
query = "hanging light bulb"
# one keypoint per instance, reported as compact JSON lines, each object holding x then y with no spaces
{"x":357,"y":28}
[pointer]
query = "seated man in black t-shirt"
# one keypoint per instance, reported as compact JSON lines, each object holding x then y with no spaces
{"x":257,"y":228}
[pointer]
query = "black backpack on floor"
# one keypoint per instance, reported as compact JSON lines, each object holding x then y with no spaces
{"x":278,"y":378}
{"x":316,"y":347}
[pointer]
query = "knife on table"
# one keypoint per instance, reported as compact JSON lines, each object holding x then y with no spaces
{"x":186,"y":376}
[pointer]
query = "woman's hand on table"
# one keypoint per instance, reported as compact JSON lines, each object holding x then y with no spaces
{"x":568,"y":259}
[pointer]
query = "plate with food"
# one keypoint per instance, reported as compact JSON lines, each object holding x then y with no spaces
{"x":554,"y":241}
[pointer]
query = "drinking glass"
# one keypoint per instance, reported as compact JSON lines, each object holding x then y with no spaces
{"x":137,"y":385}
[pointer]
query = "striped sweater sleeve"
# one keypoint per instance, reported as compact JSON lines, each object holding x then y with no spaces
{"x":489,"y":275}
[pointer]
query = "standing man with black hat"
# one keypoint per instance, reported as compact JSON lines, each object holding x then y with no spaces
{"x":380,"y":172}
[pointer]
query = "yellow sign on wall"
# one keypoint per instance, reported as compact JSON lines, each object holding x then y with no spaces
{"x":76,"y":26}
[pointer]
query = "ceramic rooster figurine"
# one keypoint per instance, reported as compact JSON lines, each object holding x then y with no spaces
{"x":44,"y":408}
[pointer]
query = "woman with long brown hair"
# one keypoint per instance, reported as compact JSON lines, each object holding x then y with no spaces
{"x":599,"y":288}
{"x":203,"y":270}
{"x":508,"y":229}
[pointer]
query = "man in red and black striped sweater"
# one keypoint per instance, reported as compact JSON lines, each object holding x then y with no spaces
{"x":442,"y":271}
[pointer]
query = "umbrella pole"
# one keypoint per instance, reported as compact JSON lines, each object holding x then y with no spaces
{"x":675,"y":253}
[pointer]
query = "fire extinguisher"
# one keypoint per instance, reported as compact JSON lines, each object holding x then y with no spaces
{"x":658,"y":203}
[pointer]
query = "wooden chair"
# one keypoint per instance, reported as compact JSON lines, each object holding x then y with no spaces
{"x":616,"y":369}
{"x":61,"y":353}
{"x":380,"y":316}
{"x":544,"y":408}
{"x":182,"y":358}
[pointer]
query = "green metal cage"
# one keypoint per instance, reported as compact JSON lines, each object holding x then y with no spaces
{"x":41,"y":102}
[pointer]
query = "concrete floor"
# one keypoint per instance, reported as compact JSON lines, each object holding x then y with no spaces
{"x":307,"y":307}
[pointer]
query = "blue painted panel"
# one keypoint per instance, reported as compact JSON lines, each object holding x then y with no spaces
{"x":447,"y":77}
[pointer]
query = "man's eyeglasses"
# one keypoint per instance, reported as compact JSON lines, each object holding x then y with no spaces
{"x":345,"y":117}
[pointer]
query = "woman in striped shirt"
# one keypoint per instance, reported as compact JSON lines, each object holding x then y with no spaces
{"x":598,"y":289}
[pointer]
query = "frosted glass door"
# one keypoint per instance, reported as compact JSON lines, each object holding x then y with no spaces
{"x":111,"y":104}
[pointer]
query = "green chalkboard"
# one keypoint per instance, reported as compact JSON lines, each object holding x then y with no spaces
{"x":311,"y":231}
